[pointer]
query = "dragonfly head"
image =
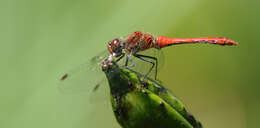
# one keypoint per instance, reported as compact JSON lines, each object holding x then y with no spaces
{"x":115,"y":47}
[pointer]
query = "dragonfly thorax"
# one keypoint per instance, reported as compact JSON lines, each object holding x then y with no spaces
{"x":139,"y":41}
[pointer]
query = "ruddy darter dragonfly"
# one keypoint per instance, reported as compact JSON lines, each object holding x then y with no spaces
{"x":132,"y":46}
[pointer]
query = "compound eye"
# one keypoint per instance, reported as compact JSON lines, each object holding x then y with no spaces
{"x":115,"y":41}
{"x":114,"y":46}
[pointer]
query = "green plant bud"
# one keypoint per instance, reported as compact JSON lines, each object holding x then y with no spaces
{"x":140,"y":102}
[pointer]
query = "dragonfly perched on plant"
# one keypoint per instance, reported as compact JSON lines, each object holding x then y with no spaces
{"x":140,"y":41}
{"x":89,"y":74}
{"x":140,"y":102}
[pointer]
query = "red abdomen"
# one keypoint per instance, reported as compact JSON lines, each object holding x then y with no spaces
{"x":162,"y":41}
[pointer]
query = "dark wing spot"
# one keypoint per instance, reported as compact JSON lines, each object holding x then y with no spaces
{"x":64,"y":77}
{"x":96,"y":87}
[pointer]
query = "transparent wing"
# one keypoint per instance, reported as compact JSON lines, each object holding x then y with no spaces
{"x":86,"y":77}
{"x":143,"y":67}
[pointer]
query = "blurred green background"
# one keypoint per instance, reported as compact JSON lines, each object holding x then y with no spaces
{"x":41,"y":40}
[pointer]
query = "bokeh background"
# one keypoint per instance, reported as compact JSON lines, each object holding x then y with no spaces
{"x":41,"y":40}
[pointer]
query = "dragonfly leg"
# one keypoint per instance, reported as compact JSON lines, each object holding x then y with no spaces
{"x":143,"y":57}
{"x":127,"y":60}
{"x":118,"y":59}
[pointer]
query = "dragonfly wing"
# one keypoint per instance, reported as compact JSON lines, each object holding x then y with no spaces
{"x":100,"y":92}
{"x":85,"y":77}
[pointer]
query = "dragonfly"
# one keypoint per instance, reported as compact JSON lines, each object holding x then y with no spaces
{"x":131,"y":47}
